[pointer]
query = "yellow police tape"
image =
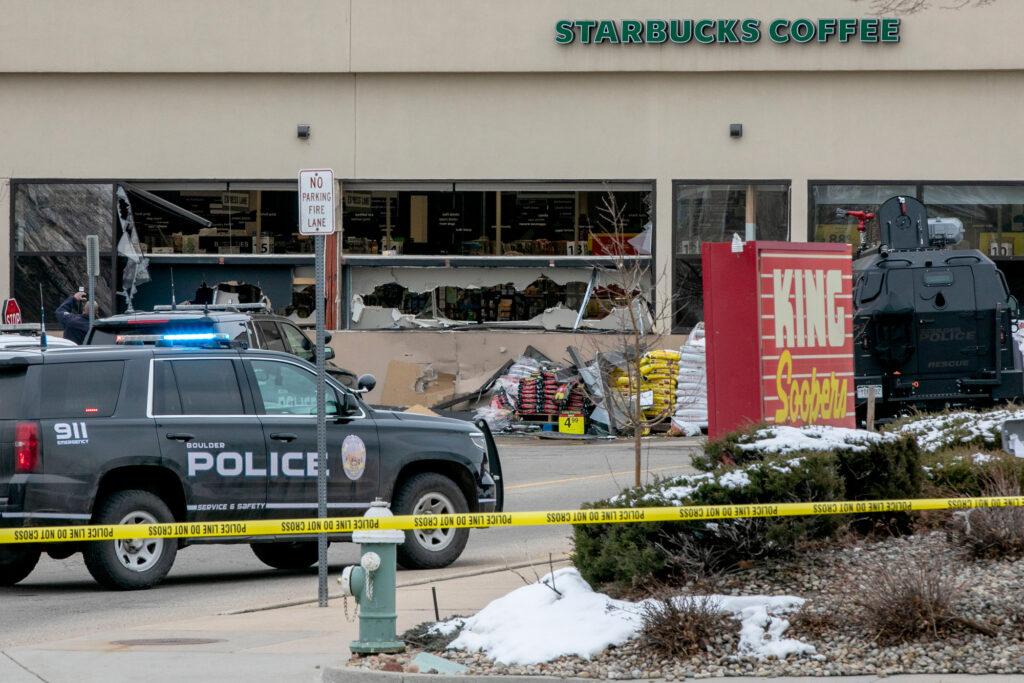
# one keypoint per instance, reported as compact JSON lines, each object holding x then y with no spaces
{"x":344,"y":525}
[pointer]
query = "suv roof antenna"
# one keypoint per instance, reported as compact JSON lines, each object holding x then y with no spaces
{"x":174,"y":300}
{"x":42,"y":319}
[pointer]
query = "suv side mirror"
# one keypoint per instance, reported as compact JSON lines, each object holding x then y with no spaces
{"x":346,"y":405}
{"x":328,"y":353}
{"x":1014,"y":307}
{"x":366,"y":383}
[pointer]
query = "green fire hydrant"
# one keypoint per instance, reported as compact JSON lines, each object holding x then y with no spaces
{"x":372,"y":584}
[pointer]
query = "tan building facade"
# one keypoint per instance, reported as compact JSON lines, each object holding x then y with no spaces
{"x":475,"y":143}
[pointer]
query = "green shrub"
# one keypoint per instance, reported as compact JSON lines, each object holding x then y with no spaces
{"x":966,"y":471}
{"x":629,"y":554}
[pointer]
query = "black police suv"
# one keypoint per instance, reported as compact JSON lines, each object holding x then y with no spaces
{"x":251,"y":324}
{"x":148,"y":434}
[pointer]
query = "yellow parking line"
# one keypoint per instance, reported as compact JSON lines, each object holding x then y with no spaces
{"x":567,"y":480}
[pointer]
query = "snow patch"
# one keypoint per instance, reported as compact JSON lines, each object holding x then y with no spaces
{"x":535,"y":624}
{"x":784,"y":439}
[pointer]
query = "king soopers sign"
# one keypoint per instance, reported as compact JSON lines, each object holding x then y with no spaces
{"x":726,"y":31}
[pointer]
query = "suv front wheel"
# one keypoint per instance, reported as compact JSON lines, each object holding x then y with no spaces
{"x":430,"y":494}
{"x":131,"y":564}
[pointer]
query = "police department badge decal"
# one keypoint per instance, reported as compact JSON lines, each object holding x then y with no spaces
{"x":353,"y":456}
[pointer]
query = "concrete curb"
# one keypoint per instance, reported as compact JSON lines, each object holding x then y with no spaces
{"x":494,"y":569}
{"x":357,"y":675}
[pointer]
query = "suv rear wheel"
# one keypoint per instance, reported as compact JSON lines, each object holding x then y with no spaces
{"x":130,"y":564}
{"x":16,"y":562}
{"x":430,"y":494}
{"x":287,"y":555}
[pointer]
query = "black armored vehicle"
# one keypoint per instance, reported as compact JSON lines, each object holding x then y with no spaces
{"x":932,"y":325}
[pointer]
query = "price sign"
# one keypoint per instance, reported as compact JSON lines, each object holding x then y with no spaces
{"x":570,"y":424}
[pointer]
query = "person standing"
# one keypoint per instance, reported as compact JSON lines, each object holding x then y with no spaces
{"x":74,"y":322}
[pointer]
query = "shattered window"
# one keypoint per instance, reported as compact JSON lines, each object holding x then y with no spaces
{"x":507,"y":223}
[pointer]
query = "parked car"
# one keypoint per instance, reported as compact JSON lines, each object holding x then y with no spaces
{"x":149,"y":434}
{"x":248,"y":323}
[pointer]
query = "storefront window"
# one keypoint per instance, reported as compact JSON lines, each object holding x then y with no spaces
{"x":51,"y":222}
{"x":826,"y":226}
{"x":993,"y":215}
{"x":714,"y":213}
{"x":499,"y":223}
{"x":243,"y":221}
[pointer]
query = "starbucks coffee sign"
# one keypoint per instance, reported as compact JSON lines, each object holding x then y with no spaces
{"x":873,"y":30}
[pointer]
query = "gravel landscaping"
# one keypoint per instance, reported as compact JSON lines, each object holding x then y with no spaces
{"x":986,"y":635}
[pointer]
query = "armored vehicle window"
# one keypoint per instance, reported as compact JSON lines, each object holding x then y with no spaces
{"x":165,"y":390}
{"x":12,"y":383}
{"x":207,"y":387}
{"x":271,"y":335}
{"x":869,"y":286}
{"x":81,"y":389}
{"x":287,"y":389}
{"x":938,"y":278}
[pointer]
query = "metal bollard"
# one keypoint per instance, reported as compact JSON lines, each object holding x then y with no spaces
{"x":372,"y":584}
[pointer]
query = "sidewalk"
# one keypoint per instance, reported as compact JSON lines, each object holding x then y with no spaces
{"x":274,"y":645}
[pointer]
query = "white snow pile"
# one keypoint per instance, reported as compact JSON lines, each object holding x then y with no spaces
{"x":561,"y":615}
{"x":784,"y":439}
{"x":677,"y":491}
{"x":934,"y":432}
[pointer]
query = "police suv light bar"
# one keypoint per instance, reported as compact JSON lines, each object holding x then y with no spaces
{"x":171,"y":339}
{"x":20,"y":328}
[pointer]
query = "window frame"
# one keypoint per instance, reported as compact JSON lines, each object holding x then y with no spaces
{"x":919,"y":186}
{"x":260,"y":409}
{"x":678,"y":259}
{"x":240,"y":378}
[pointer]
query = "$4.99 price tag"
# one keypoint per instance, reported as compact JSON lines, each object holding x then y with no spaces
{"x":570,"y":424}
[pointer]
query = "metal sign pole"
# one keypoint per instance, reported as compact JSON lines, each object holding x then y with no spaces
{"x":316,"y":219}
{"x":321,"y":420}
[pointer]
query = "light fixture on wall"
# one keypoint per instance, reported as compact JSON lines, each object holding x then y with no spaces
{"x":302,"y":131}
{"x":735,"y":130}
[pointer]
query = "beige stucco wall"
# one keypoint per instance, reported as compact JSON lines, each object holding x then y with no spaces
{"x":477,"y":89}
{"x":660,"y":126}
{"x":289,"y":36}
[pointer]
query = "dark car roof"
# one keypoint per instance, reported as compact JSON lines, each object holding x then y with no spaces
{"x":153,"y":316}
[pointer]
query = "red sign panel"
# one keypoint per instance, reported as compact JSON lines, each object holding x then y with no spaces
{"x":779,"y":320}
{"x":806,"y":327}
{"x":11,"y":312}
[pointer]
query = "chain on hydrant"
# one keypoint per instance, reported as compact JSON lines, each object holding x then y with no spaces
{"x":372,"y":584}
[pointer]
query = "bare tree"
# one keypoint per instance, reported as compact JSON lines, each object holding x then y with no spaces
{"x":628,"y":283}
{"x":912,"y":6}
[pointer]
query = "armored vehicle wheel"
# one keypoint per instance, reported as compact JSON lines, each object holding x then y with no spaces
{"x":430,"y":494}
{"x":16,"y":563}
{"x":286,"y":555}
{"x":131,"y":564}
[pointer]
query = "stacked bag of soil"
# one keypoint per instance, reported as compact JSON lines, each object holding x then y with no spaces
{"x":659,"y":370}
{"x":656,"y":372}
{"x":692,"y":381}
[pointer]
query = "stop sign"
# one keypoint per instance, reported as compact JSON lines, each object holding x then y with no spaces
{"x":11,"y":312}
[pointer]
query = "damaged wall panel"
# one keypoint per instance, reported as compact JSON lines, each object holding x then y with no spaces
{"x":428,"y":366}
